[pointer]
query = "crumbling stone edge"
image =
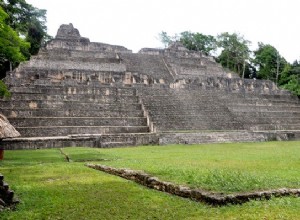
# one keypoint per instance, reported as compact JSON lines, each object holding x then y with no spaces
{"x":211,"y":198}
{"x":7,"y":200}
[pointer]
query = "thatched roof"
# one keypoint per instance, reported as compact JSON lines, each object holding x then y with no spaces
{"x":6,"y":129}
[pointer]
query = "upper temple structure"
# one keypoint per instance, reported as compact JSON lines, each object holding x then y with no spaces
{"x":80,"y":93}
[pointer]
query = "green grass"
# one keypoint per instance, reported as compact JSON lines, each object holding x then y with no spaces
{"x":224,"y":168}
{"x":51,"y":188}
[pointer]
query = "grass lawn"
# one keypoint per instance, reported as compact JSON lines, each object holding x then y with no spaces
{"x":51,"y":188}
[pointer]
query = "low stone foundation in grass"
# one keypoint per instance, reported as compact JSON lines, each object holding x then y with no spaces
{"x":199,"y":195}
{"x":6,"y":195}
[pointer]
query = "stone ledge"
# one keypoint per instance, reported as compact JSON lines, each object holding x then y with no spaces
{"x":217,"y":199}
{"x":87,"y":140}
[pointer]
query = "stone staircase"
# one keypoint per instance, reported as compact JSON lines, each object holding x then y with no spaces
{"x":105,"y":110}
{"x":79,"y":93}
{"x":73,"y":93}
{"x":266,"y":112}
{"x":190,"y":113}
{"x":180,"y":109}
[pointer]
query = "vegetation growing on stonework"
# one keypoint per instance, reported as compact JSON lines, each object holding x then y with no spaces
{"x":4,"y":93}
{"x":290,"y":77}
{"x":234,"y":54}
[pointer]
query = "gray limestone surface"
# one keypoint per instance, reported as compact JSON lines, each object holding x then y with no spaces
{"x":77,"y":87}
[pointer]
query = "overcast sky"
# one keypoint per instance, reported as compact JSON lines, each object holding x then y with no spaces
{"x":136,"y":23}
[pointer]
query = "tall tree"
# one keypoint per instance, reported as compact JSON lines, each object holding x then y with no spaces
{"x":269,"y":62}
{"x":165,"y":38}
{"x":235,"y":52}
{"x":290,"y":77}
{"x":192,"y":41}
{"x":25,"y":21}
{"x":13,"y":49}
{"x":198,"y":42}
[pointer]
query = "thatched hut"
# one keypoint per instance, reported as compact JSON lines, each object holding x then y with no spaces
{"x":6,"y":131}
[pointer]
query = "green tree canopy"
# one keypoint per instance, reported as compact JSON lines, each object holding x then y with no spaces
{"x":23,"y":31}
{"x":192,"y":41}
{"x":290,"y":77}
{"x":263,"y":63}
{"x":198,"y":42}
{"x":235,"y":52}
{"x":269,"y":62}
{"x":13,"y":49}
{"x":27,"y":21}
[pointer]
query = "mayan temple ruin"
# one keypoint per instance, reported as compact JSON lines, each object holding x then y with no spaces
{"x":80,"y":93}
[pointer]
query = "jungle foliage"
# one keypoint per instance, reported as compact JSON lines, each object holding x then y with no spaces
{"x":22,"y":32}
{"x":233,"y":52}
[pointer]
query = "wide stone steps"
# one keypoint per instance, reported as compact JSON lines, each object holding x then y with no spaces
{"x":179,"y":110}
{"x":168,"y":102}
{"x":270,"y":119}
{"x":53,"y":112}
{"x":78,"y":89}
{"x":183,"y":105}
{"x":76,"y":97}
{"x":79,"y":59}
{"x":267,"y":126}
{"x":211,"y":137}
{"x":65,"y":53}
{"x":78,"y":121}
{"x":264,"y":108}
{"x":66,"y":77}
{"x":61,"y":105}
{"x":72,"y":65}
{"x":203,"y":111}
{"x":228,"y":99}
{"x":266,"y":114}
{"x":278,"y":97}
{"x":69,"y":130}
{"x":196,"y":122}
{"x":187,"y":128}
{"x":147,"y":64}
{"x":188,"y":109}
{"x":232,"y":102}
{"x":217,"y":94}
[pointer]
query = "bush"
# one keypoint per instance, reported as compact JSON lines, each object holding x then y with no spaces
{"x":4,"y":93}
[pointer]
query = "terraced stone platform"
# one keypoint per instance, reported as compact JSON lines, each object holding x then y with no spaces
{"x":79,"y":93}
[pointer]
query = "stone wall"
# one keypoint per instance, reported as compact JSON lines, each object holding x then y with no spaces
{"x":79,"y":140}
{"x":199,"y":195}
{"x":226,"y":137}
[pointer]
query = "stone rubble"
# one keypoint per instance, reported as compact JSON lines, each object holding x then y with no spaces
{"x":211,"y":198}
{"x":7,"y":200}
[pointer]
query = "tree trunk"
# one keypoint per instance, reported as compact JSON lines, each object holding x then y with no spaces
{"x":244,"y":67}
{"x":277,"y":69}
